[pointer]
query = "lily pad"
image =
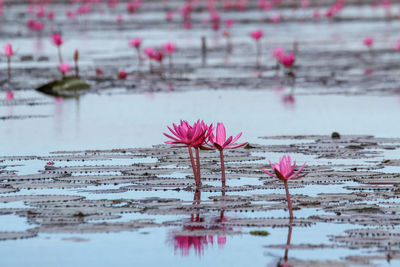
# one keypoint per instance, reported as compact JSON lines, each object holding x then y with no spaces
{"x":66,"y":87}
{"x":259,"y":233}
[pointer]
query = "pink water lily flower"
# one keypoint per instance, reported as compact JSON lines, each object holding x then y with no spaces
{"x":64,"y":68}
{"x":185,"y":135}
{"x":149,"y":51}
{"x":278,"y":52}
{"x":256,"y":35}
{"x":229,"y":23}
{"x":287,"y":60}
{"x":368,"y":41}
{"x":169,"y":48}
{"x":220,"y":142}
{"x":135,"y":42}
{"x":285,"y":171}
{"x":57,"y":40}
{"x":8,"y":50}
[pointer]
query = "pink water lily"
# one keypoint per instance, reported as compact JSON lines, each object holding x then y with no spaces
{"x":220,"y":142}
{"x":285,"y":171}
{"x":256,"y":35}
{"x":278,"y":52}
{"x":58,"y":41}
{"x":287,"y":60}
{"x":135,"y":42}
{"x":185,"y":135}
{"x":368,"y":41}
{"x":9,"y":52}
{"x":64,"y":68}
{"x":169,"y":48}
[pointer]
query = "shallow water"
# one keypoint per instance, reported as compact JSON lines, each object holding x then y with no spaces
{"x":137,"y":120}
{"x":130,"y":115}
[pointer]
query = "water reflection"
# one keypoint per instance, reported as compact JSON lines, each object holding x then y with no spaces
{"x":200,"y":232}
{"x":283,"y":262}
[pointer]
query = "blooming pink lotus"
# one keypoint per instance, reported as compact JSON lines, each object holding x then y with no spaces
{"x":185,"y":135}
{"x":9,"y":95}
{"x":169,"y":48}
{"x":220,"y":142}
{"x":64,"y":68}
{"x":285,"y":171}
{"x":229,"y":23}
{"x":368,"y":41}
{"x":122,"y":75}
{"x":150,"y":52}
{"x":58,"y":41}
{"x":136,"y":43}
{"x":35,"y":25}
{"x":278,"y":52}
{"x":287,"y":60}
{"x":256,"y":35}
{"x":158,"y":56}
{"x":8,"y":51}
{"x":99,"y":71}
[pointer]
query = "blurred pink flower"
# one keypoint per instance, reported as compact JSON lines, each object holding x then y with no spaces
{"x":158,"y":56}
{"x":229,"y":23}
{"x":9,"y":95}
{"x":122,"y":75}
{"x":149,"y":51}
{"x":169,"y":48}
{"x":64,"y":67}
{"x":278,"y":52}
{"x":135,"y":42}
{"x":8,"y":50}
{"x":57,"y":40}
{"x":368,"y":41}
{"x":287,"y":60}
{"x":256,"y":35}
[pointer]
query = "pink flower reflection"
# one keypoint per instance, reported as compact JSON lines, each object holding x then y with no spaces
{"x":194,"y":235}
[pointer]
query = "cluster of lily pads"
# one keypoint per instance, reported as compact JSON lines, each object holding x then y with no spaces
{"x":200,"y":136}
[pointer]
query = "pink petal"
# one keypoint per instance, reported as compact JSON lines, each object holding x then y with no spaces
{"x":236,"y":146}
{"x":267,"y":172}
